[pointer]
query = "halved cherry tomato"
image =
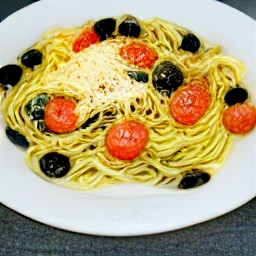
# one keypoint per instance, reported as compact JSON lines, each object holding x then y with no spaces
{"x":85,"y":39}
{"x":139,"y":54}
{"x":239,"y":118}
{"x":60,"y":116}
{"x":126,"y":140}
{"x":189,"y":104}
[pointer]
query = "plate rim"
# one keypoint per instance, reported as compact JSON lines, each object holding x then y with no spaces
{"x":117,"y":231}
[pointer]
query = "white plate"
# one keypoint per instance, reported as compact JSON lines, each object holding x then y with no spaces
{"x":125,"y":210}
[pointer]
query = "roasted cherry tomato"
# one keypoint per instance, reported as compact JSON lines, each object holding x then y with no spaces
{"x":85,"y":39}
{"x":139,"y":54}
{"x":240,"y":118}
{"x":126,"y":140}
{"x":189,"y":104}
{"x":60,"y":116}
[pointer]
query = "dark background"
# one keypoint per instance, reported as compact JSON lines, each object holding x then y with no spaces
{"x":231,"y":234}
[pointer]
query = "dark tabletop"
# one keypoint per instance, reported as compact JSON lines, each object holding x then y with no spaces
{"x":231,"y":234}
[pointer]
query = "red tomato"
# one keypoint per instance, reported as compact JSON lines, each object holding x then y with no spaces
{"x":126,"y":140}
{"x":189,"y":104}
{"x":85,"y":39}
{"x":139,"y":54}
{"x":239,"y":118}
{"x":60,"y":115}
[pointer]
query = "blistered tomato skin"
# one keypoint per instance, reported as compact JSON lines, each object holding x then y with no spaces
{"x":126,"y":140}
{"x":190,"y":103}
{"x":60,"y":116}
{"x":32,"y":58}
{"x":240,"y":118}
{"x":10,"y":74}
{"x":139,"y":54}
{"x":85,"y":39}
{"x":54,"y":165}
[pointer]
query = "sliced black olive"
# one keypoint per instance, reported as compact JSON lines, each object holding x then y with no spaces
{"x":16,"y":138}
{"x":194,"y":179}
{"x":139,"y":76}
{"x":10,"y":74}
{"x":236,"y":95}
{"x":40,"y":125}
{"x":54,"y":165}
{"x":190,"y":43}
{"x":37,"y":114}
{"x":35,"y":107}
{"x":105,"y":27}
{"x":31,"y":58}
{"x":130,"y":27}
{"x":90,"y":120}
{"x":167,"y":77}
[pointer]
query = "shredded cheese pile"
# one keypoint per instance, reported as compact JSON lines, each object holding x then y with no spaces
{"x":98,"y":73}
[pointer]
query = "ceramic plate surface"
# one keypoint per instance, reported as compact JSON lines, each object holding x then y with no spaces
{"x":125,"y":210}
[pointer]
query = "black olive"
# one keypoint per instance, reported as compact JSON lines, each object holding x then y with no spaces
{"x":194,"y":179}
{"x":202,"y":177}
{"x":54,"y":164}
{"x":105,"y":27}
{"x":90,"y":120}
{"x":37,"y":114}
{"x":31,"y":58}
{"x":16,"y":138}
{"x":10,"y":74}
{"x":139,"y":76}
{"x":130,"y":27}
{"x":236,"y":95}
{"x":167,"y":77}
{"x":190,"y":43}
{"x":40,"y":125}
{"x":35,"y":107}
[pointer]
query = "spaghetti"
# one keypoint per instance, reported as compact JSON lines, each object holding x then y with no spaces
{"x":105,"y":89}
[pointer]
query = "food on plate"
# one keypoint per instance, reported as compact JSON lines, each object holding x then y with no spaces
{"x":123,"y":99}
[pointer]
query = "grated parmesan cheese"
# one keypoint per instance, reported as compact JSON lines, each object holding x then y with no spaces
{"x":98,"y":73}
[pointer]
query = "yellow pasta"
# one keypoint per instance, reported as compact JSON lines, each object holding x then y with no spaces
{"x":96,"y":79}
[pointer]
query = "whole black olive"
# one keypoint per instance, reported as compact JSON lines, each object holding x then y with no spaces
{"x":105,"y":27}
{"x":10,"y":74}
{"x":54,"y":165}
{"x":16,"y":138}
{"x":130,"y":27}
{"x":190,"y":43}
{"x":194,"y":179}
{"x":236,"y":95}
{"x":167,"y":77}
{"x":139,"y":76}
{"x":31,"y":58}
{"x":90,"y":120}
